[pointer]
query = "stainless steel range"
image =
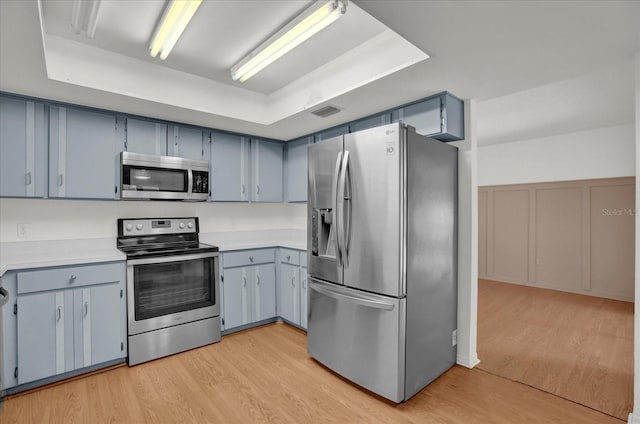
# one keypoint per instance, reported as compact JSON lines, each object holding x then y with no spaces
{"x":172,"y":287}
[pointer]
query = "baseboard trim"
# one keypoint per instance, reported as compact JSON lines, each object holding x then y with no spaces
{"x":469,"y":362}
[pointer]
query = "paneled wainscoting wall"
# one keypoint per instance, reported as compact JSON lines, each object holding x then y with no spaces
{"x":574,"y":236}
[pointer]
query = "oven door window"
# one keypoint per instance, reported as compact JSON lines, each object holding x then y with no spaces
{"x":167,"y":288}
{"x":139,"y":178}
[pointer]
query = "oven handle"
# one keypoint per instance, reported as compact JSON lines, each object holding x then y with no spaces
{"x":176,"y":258}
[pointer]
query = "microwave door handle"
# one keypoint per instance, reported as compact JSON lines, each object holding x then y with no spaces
{"x":334,"y":212}
{"x":189,"y":182}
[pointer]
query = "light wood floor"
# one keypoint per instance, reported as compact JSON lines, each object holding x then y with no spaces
{"x":264,"y":375}
{"x":574,"y":346}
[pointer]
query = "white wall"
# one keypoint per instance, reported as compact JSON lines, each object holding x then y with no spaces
{"x":601,"y":153}
{"x":71,"y":219}
{"x":634,"y":418}
{"x":468,"y":240}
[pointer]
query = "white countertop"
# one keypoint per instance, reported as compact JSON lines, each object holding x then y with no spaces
{"x":240,"y":240}
{"x":45,"y":253}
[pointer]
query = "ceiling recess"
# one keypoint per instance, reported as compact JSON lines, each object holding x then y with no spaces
{"x":325,"y":111}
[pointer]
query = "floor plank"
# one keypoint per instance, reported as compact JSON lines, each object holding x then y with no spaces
{"x":574,"y":346}
{"x":264,"y":375}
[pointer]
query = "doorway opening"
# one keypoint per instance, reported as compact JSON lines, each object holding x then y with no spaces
{"x":556,"y":269}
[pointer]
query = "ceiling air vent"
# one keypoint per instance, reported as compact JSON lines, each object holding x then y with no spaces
{"x":325,"y":111}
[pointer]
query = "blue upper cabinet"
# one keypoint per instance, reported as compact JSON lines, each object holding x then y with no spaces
{"x":332,"y":132}
{"x":267,"y":171}
{"x":146,"y":137}
{"x":229,"y":167}
{"x":83,"y":154}
{"x":370,"y":122}
{"x":156,"y":138}
{"x":440,"y":117}
{"x":295,"y":169}
{"x":189,"y":142}
{"x":23,"y":148}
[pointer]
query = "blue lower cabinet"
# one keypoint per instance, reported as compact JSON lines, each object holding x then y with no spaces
{"x":60,"y":330}
{"x":304,"y":299}
{"x":248,"y":287}
{"x":292,"y":286}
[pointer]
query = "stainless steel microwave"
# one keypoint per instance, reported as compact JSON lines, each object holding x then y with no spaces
{"x":144,"y":177}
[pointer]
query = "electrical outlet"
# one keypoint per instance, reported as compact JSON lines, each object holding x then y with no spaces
{"x":24,"y":230}
{"x":454,"y":337}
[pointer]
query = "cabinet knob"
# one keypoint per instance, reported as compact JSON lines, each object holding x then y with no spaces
{"x":251,"y":258}
{"x":59,"y":314}
{"x":293,"y":281}
{"x":288,"y":257}
{"x":73,"y":278}
{"x":257,"y":279}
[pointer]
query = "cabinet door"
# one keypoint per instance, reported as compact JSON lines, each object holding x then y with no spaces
{"x":332,"y":132}
{"x":97,"y":324}
{"x":22,"y":148}
{"x":267,"y":171}
{"x":370,"y":122}
{"x":289,"y":293}
{"x":236,"y":298}
{"x":45,"y":335}
{"x":296,"y":169}
{"x":146,"y":137}
{"x":265,"y":292}
{"x":188,"y":142}
{"x":83,"y":154}
{"x":424,"y":116}
{"x":229,"y":167}
{"x":304,"y":300}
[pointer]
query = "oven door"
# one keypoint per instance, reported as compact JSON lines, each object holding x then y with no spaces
{"x":171,"y":290}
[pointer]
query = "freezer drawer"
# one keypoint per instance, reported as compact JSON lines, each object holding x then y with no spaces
{"x":358,"y":335}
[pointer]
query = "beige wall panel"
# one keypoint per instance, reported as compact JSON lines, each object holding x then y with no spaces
{"x":559,"y":216}
{"x":580,"y":236}
{"x":612,"y":240}
{"x":482,"y":233}
{"x":510,"y":235}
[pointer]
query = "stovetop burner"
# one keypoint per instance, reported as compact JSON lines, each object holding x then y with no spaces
{"x":145,"y":237}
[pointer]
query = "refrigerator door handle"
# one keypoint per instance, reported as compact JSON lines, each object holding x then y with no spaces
{"x":334,"y":213}
{"x":362,"y":301}
{"x":345,"y":200}
{"x":5,"y":296}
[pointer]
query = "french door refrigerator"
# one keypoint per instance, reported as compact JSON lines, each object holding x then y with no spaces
{"x":382,"y":219}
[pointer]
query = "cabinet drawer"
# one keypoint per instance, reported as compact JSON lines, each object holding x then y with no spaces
{"x":289,"y":256}
{"x":248,"y":257}
{"x":69,"y":277}
{"x":303,"y":258}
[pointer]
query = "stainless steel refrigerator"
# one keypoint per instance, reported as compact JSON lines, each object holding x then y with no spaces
{"x":382,"y":225}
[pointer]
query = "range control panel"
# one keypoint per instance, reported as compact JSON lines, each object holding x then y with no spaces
{"x":152,"y":226}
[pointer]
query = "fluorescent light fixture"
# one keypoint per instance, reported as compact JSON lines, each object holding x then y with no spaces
{"x":174,"y":20}
{"x":318,"y":16}
{"x":84,"y":16}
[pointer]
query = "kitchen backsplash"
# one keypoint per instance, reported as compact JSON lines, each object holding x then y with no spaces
{"x":42,"y":219}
